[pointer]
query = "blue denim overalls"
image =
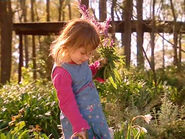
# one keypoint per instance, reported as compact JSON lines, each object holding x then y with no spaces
{"x":88,"y":102}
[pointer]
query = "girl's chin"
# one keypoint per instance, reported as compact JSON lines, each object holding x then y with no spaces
{"x":78,"y":62}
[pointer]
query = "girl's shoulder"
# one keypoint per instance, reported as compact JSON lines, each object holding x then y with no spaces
{"x":58,"y":69}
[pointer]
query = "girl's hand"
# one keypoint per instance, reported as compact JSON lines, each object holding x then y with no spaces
{"x":103,"y":62}
{"x":81,"y":135}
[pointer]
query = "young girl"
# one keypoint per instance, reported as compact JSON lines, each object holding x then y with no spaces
{"x":81,"y":111}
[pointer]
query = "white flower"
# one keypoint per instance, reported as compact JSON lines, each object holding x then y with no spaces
{"x":111,"y":131}
{"x":147,"y":118}
{"x":144,"y":129}
{"x":139,"y":128}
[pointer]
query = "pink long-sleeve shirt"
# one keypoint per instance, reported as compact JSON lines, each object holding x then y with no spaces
{"x":63,"y":83}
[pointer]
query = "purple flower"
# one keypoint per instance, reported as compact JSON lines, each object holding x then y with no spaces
{"x":83,"y":10}
{"x":107,"y":25}
{"x":102,"y":27}
{"x":105,"y":42}
{"x":112,"y":43}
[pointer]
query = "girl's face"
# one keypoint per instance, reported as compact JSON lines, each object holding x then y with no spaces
{"x":80,"y":55}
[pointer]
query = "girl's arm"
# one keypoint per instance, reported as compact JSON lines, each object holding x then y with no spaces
{"x":67,"y":103}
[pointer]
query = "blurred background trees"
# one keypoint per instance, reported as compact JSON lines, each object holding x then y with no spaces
{"x":151,"y":50}
{"x":6,"y":18}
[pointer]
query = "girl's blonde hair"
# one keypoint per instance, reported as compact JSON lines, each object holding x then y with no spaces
{"x":76,"y":34}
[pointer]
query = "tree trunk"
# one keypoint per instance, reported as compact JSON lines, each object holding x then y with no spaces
{"x":63,"y":15}
{"x":127,"y":31}
{"x":102,"y":10}
{"x":25,"y":37}
{"x":85,"y":2}
{"x":112,"y":17}
{"x":175,"y":41}
{"x":60,"y":9}
{"x":24,"y":15}
{"x":153,"y":43}
{"x":139,"y":30}
{"x":163,"y":44}
{"x":48,"y":10}
{"x":33,"y":42}
{"x":69,"y":9}
{"x":175,"y":35}
{"x":19,"y":13}
{"x":180,"y":49}
{"x":6,"y":40}
{"x":163,"y":52}
{"x":153,"y":37}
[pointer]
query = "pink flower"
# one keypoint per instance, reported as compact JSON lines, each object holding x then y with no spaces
{"x":107,"y":25}
{"x":97,"y":64}
{"x":112,"y":43}
{"x":94,"y":67}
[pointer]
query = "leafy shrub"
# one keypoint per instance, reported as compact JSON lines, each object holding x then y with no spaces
{"x":170,"y":122}
{"x":173,"y":77}
{"x":34,"y":104}
{"x":131,"y":93}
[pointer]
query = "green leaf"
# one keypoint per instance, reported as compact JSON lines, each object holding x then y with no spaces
{"x":18,"y":127}
{"x":112,"y":82}
{"x":117,"y":76}
{"x":45,"y":136}
{"x":23,"y":134}
{"x":2,"y":136}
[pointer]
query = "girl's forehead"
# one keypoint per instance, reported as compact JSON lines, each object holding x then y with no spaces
{"x":85,"y":49}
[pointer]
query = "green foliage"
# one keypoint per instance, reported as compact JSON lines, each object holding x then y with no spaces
{"x":170,"y":123}
{"x":109,"y":52}
{"x":134,"y":131}
{"x":128,"y":93}
{"x":29,"y":110}
{"x":45,"y":62}
{"x":134,"y":96}
{"x":173,"y":77}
